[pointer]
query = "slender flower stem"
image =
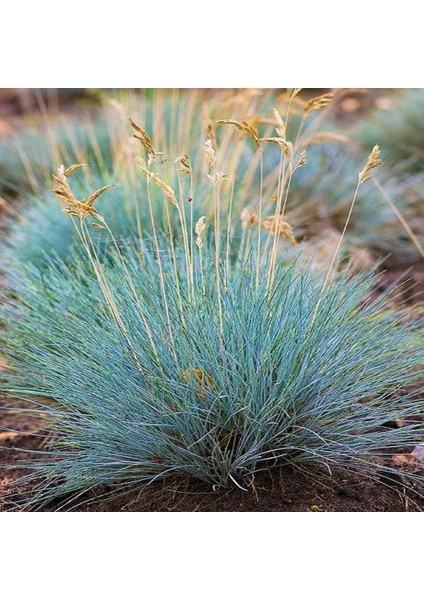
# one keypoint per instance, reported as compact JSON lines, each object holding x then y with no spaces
{"x":259,"y":219}
{"x":399,"y":215}
{"x":336,"y":252}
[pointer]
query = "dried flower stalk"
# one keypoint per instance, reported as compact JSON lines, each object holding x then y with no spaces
{"x":302,"y":159}
{"x":372,"y":162}
{"x":285,"y":147}
{"x":200,"y":229}
{"x":209,"y":126}
{"x":144,"y":139}
{"x":218,"y":176}
{"x":71,"y":169}
{"x":245,"y":127}
{"x":74,"y":207}
{"x":184,"y":161}
{"x":318,"y":102}
{"x":166,"y":189}
{"x":280,"y":126}
{"x":279,"y":227}
{"x":209,"y":154}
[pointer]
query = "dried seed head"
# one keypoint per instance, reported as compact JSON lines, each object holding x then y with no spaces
{"x":209,"y":155}
{"x":249,"y":218}
{"x":245,"y":127}
{"x":166,"y":189}
{"x":279,"y":227}
{"x":372,"y":162}
{"x":218,"y":176}
{"x":72,"y":168}
{"x":200,"y":229}
{"x":184,"y":161}
{"x":144,"y":139}
{"x":302,"y":159}
{"x":98,"y":226}
{"x":92,"y":197}
{"x":318,"y":103}
{"x":209,"y":126}
{"x":280,"y":126}
{"x":285,"y":147}
{"x":63,"y":191}
{"x":72,"y":206}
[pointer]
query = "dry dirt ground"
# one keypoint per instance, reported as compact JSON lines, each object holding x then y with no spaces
{"x":281,"y":490}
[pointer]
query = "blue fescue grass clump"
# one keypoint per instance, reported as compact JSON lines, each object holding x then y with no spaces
{"x":320,"y":195}
{"x":41,"y":229}
{"x":142,"y":371}
{"x":318,"y":202}
{"x":28,"y":158}
{"x":96,"y":138}
{"x":399,"y":129}
{"x":151,"y":346}
{"x":31,"y":155}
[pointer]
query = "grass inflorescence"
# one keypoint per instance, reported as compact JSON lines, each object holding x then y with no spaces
{"x":387,"y":221}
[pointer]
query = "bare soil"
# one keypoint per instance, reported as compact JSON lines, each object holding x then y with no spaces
{"x":278,"y":490}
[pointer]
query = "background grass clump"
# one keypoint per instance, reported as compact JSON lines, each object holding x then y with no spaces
{"x":319,"y":201}
{"x":399,"y":128}
{"x":318,"y":196}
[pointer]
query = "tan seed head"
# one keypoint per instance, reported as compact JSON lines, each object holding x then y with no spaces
{"x":280,"y":126}
{"x":200,"y":229}
{"x":209,"y":155}
{"x":318,"y":102}
{"x":372,"y":162}
{"x":72,"y":206}
{"x":285,"y":147}
{"x":245,"y":127}
{"x":143,"y":137}
{"x":166,"y":189}
{"x":184,"y":161}
{"x":279,"y":227}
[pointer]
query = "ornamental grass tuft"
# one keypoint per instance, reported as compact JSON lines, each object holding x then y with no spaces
{"x":141,"y":369}
{"x":202,"y":341}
